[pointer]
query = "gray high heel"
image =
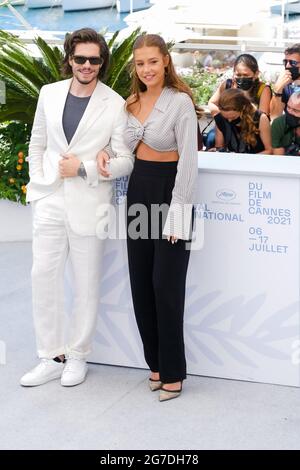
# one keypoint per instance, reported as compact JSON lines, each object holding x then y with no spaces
{"x":154,"y":385}
{"x":165,"y":394}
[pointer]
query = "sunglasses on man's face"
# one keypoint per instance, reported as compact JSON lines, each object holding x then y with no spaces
{"x":81,"y":59}
{"x":293,"y":63}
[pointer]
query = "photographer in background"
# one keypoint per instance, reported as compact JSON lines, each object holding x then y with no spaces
{"x":286,"y":129}
{"x":240,"y":127}
{"x":246,"y":78}
{"x":288,"y":81}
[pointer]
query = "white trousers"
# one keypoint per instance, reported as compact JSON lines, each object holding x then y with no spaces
{"x":53,"y":242}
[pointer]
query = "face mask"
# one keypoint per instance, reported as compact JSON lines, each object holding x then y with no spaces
{"x":244,"y":83}
{"x":291,"y":120}
{"x":294,"y":72}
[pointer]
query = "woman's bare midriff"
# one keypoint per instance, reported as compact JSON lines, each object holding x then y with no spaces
{"x":144,"y":152}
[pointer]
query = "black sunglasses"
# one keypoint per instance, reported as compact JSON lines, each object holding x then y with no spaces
{"x":293,"y":63}
{"x":81,"y":59}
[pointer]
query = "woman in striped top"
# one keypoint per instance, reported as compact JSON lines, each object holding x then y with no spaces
{"x":162,"y":132}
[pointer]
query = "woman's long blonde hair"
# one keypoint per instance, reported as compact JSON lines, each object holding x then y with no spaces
{"x":171,"y":78}
{"x":234,"y":99}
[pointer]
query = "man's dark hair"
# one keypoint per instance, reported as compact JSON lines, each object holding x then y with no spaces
{"x":85,"y":35}
{"x":294,"y":49}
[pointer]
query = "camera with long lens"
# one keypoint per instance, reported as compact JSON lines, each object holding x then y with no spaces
{"x":293,"y":150}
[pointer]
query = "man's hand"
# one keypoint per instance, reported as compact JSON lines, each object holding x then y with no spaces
{"x":102,"y":164}
{"x":284,"y":79}
{"x":68,"y":166}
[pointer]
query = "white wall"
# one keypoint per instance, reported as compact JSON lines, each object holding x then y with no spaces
{"x":15,"y":221}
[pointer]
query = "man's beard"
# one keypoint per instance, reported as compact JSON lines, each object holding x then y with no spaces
{"x":83,"y":82}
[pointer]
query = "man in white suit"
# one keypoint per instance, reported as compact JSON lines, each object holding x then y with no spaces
{"x":74,"y":119}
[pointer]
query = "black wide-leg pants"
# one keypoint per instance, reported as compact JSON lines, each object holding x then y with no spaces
{"x":157,"y":270}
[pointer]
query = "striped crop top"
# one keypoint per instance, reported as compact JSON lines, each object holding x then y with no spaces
{"x":172,"y":126}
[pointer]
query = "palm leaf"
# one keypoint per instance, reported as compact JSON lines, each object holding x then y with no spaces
{"x":112,"y":40}
{"x":120,"y":57}
{"x":15,"y":113}
{"x":52,"y":57}
{"x":8,"y":74}
{"x":33,"y":75}
{"x":8,"y":38}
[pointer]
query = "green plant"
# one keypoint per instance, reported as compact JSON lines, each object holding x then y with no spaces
{"x":24,"y":75}
{"x":13,"y":165}
{"x":202,"y":83}
{"x":118,"y":77}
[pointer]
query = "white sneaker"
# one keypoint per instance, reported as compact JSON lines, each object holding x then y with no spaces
{"x":74,"y":373}
{"x":46,"y":370}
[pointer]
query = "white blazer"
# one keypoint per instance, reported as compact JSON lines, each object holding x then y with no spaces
{"x":103,"y":122}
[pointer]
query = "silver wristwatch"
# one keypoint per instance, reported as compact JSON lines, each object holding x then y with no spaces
{"x":82,"y":171}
